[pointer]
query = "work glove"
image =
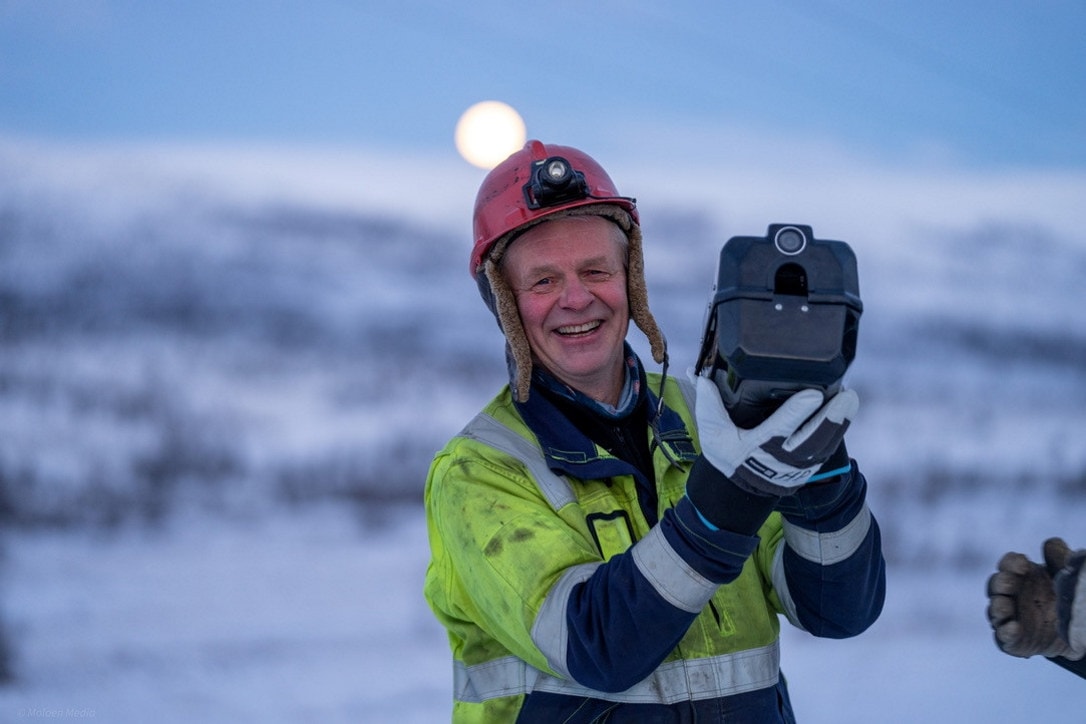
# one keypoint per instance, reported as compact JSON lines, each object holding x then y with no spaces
{"x":1023,"y":603}
{"x":781,"y":454}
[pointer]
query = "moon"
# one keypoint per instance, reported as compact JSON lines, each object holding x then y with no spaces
{"x":488,"y":132}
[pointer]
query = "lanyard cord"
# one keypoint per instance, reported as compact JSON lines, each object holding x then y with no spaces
{"x":658,"y":438}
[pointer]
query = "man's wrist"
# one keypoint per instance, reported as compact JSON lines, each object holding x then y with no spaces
{"x":723,"y":504}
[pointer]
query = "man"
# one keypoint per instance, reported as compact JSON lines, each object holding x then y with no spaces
{"x":1039,"y":609}
{"x":603,"y":549}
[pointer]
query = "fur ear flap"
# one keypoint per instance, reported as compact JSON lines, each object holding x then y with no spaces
{"x":520,"y":353}
{"x":638,"y":296}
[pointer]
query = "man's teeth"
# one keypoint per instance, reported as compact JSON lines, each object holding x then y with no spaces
{"x":579,"y":328}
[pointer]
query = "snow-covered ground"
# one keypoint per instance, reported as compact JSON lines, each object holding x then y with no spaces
{"x":223,"y":373}
{"x":313,"y":617}
{"x":288,"y":619}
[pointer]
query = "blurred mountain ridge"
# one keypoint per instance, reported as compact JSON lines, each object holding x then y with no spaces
{"x":186,"y":351}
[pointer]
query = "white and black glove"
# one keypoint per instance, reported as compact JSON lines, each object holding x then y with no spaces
{"x":784,"y":452}
{"x":1024,"y":602}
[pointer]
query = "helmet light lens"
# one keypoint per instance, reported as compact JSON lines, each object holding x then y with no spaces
{"x":557,"y":172}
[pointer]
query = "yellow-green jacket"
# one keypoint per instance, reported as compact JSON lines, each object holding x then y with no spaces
{"x":562,"y":599}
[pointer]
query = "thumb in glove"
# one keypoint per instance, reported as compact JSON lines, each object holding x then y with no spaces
{"x":1056,"y":553}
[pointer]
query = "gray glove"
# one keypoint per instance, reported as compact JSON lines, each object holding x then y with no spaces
{"x":1023,"y":607}
{"x":780,"y":455}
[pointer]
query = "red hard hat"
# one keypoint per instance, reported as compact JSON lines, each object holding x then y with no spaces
{"x":533,"y":183}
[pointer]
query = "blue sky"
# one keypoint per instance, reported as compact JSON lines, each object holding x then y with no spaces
{"x":996,"y":84}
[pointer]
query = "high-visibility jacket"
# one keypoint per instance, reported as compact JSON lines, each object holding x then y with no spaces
{"x":559,"y":596}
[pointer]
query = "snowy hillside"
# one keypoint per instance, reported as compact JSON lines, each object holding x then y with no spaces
{"x":199,"y":348}
{"x":168,"y":343}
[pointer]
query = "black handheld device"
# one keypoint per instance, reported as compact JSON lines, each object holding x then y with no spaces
{"x":784,"y":316}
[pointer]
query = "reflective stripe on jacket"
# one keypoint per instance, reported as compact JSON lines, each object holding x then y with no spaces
{"x":515,"y":533}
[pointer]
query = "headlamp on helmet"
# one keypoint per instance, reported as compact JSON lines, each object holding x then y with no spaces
{"x":554,"y":181}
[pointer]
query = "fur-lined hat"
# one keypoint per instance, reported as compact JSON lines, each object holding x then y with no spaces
{"x":536,"y":184}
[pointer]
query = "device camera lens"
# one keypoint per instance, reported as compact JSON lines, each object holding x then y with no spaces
{"x":790,"y":240}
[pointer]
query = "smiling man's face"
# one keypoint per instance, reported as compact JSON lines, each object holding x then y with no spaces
{"x":569,"y":278}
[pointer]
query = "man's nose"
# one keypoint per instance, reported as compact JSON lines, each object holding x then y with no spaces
{"x":575,"y":294}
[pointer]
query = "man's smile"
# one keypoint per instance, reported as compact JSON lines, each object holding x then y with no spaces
{"x":579,"y":329}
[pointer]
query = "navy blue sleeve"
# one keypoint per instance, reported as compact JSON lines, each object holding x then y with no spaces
{"x":842,"y":598}
{"x":610,"y":646}
{"x":620,"y":627}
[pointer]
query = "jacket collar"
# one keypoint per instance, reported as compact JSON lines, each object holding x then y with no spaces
{"x":570,"y":452}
